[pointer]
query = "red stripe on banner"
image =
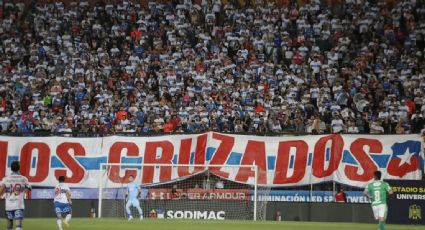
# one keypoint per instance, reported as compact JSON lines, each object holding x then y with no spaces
{"x":282,"y":162}
{"x":115,"y":157}
{"x":320,"y":154}
{"x":69,"y":161}
{"x":184,"y":157}
{"x":368,"y":166}
{"x":255,"y":153}
{"x":201,"y":146}
{"x":163,"y":148}
{"x":43,"y":161}
{"x":222,"y":153}
{"x":3,"y":158}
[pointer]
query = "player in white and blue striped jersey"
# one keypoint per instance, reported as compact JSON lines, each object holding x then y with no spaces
{"x":62,"y":203}
{"x":14,"y":186}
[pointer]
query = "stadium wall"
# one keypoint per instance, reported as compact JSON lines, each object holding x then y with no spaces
{"x":290,"y":211}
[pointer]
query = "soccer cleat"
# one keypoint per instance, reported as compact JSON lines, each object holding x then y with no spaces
{"x":141,"y":218}
{"x":66,"y":224}
{"x":130,"y":218}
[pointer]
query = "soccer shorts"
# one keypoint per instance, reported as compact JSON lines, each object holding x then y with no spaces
{"x":61,"y":208}
{"x":380,"y":211}
{"x":17,"y":214}
{"x":133,"y":202}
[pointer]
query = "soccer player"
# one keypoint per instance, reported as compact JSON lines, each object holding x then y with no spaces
{"x":377,"y":191}
{"x":14,"y":186}
{"x":132,"y":195}
{"x":62,"y":203}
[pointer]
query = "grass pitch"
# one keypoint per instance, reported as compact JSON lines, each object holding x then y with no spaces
{"x":121,"y":224}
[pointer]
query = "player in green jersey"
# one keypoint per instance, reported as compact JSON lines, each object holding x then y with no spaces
{"x":377,"y":192}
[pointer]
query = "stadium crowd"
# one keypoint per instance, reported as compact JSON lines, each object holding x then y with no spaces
{"x":353,"y":66}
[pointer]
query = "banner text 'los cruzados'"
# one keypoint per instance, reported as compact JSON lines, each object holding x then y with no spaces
{"x":281,"y":161}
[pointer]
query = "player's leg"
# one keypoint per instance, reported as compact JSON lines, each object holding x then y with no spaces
{"x":379,"y":213}
{"x":381,"y":224}
{"x":9,"y":225}
{"x":127,"y":209}
{"x":68,"y":216}
{"x":136,"y":204}
{"x":382,"y":213}
{"x":67,"y":219}
{"x":19,"y":218}
{"x":59,"y":220}
{"x":19,"y":225}
{"x":58,"y":211}
{"x":375,"y":210}
{"x":9,"y":218}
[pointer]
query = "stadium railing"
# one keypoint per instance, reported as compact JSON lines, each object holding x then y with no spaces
{"x":149,"y":134}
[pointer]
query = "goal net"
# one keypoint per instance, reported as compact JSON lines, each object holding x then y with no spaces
{"x":173,"y":191}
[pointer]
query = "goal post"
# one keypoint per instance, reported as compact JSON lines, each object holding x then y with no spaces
{"x":183,"y":191}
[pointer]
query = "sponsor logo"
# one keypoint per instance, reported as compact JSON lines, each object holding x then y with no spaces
{"x":77,"y":194}
{"x":153,"y":214}
{"x":206,"y":215}
{"x":415,"y":212}
{"x":43,"y":194}
{"x":199,"y":194}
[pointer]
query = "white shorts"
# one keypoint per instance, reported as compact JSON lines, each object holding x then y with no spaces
{"x":380,"y":211}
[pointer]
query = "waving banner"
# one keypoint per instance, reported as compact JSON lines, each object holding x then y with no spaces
{"x":282,"y":161}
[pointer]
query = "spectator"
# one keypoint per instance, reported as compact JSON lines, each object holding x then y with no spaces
{"x":337,"y":124}
{"x":120,"y":66}
{"x":315,"y":126}
{"x":340,"y":196}
{"x":168,"y":126}
{"x":376,"y":128}
{"x":399,"y":128}
{"x":352,"y":128}
{"x":4,"y":122}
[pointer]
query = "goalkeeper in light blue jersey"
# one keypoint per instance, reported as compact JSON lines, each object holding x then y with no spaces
{"x":132,"y":197}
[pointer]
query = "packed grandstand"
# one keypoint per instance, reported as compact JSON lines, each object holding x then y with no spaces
{"x":260,"y":67}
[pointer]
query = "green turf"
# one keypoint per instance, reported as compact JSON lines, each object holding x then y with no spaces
{"x":120,"y":224}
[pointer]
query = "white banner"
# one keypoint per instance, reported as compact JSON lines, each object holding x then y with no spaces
{"x":282,"y":161}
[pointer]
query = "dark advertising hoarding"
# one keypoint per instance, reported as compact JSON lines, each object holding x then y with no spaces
{"x":407,"y":205}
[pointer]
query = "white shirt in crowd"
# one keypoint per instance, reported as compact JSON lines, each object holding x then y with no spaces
{"x":337,"y":125}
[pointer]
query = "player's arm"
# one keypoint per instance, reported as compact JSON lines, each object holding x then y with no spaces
{"x":68,"y":196}
{"x":27,"y":185}
{"x":2,"y":189}
{"x":366,"y":193}
{"x":139,"y":192}
{"x":390,"y":191}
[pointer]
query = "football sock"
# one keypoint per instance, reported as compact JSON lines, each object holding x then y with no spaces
{"x":381,"y":226}
{"x":140,"y":211}
{"x":68,"y":217}
{"x":59,"y":222}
